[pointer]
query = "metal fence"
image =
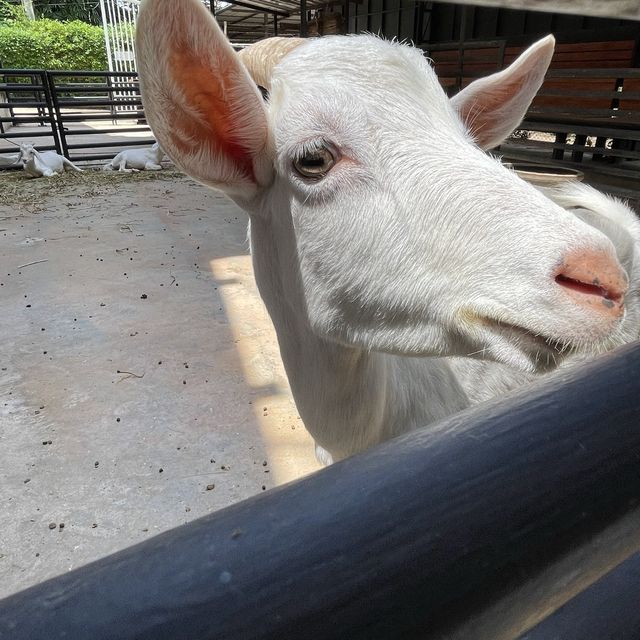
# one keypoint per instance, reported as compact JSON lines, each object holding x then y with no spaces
{"x":26,"y":111}
{"x":84,"y":115}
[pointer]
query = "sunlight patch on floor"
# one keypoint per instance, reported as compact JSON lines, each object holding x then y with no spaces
{"x":290,"y":447}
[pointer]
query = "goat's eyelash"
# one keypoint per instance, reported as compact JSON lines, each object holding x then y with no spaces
{"x":310,"y":146}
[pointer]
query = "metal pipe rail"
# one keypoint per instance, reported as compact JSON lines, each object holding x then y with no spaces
{"x":479,"y":527}
{"x":122,"y":102}
{"x":88,"y":117}
{"x":25,"y":99}
{"x":66,"y":108}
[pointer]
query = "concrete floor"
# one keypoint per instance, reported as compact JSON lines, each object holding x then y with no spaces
{"x":140,"y":381}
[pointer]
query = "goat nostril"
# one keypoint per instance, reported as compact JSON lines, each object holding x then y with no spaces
{"x":594,"y":288}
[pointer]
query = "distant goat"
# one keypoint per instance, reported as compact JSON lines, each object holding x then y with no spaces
{"x":44,"y":163}
{"x":399,"y":262}
{"x":137,"y":160}
{"x":9,"y":159}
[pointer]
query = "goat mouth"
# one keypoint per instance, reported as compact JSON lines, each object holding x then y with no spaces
{"x":588,"y":292}
{"x":527,"y":339}
{"x":593,"y":289}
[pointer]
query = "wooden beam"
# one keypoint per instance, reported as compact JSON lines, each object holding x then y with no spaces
{"x":621,"y":9}
{"x":259,"y":7}
{"x":303,"y":19}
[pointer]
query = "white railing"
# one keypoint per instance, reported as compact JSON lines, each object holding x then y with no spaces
{"x":119,"y":19}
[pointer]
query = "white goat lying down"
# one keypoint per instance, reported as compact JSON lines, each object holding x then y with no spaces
{"x":9,"y":159}
{"x":137,"y":160}
{"x":389,"y":248}
{"x":43,"y":163}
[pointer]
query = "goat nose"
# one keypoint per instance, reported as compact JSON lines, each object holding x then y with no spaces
{"x":594,"y":279}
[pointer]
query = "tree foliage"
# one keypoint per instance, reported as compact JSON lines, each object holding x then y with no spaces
{"x":65,"y":10}
{"x":50,"y":44}
{"x":10,"y":13}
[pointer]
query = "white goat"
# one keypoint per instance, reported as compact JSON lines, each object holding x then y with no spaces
{"x":9,"y":159}
{"x":383,"y":237}
{"x":137,"y":160}
{"x":43,"y":163}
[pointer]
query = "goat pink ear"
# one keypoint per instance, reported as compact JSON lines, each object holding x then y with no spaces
{"x":494,"y":106}
{"x":200,"y":102}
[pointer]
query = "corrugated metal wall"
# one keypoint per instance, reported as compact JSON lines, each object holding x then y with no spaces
{"x":422,"y":22}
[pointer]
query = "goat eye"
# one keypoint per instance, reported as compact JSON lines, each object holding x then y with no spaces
{"x":315,"y":164}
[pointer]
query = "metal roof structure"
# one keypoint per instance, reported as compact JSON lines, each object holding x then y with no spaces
{"x":246,"y":21}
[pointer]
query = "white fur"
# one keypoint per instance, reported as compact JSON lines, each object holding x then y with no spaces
{"x":137,"y":160}
{"x":484,"y":379}
{"x":9,"y":159}
{"x":46,"y":163}
{"x":414,"y":254}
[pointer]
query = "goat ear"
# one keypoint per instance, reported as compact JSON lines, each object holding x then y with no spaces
{"x":201,"y":104}
{"x":494,"y":106}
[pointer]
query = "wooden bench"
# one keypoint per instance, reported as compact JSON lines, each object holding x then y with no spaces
{"x":457,"y":64}
{"x":609,"y":54}
{"x":593,"y":114}
{"x":590,"y":106}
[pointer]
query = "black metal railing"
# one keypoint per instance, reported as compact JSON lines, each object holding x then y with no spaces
{"x":84,"y":115}
{"x":25,"y":99}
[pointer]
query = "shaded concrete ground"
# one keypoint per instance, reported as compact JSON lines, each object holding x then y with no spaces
{"x":140,"y":381}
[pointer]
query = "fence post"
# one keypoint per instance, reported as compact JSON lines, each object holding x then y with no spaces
{"x":52,"y":101}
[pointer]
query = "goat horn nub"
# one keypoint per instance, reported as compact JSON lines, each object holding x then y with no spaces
{"x":261,"y":57}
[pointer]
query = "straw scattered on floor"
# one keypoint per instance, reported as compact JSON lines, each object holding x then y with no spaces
{"x":16,"y":188}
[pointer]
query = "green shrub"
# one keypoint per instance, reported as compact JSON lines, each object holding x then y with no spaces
{"x":49,"y":44}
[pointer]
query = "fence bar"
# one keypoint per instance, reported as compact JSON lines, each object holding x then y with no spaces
{"x":102,"y":102}
{"x":26,"y":103}
{"x":24,"y":119}
{"x":107,"y":145}
{"x":608,"y":609}
{"x":69,"y":73}
{"x":59,"y":126}
{"x":417,"y":538}
{"x":105,"y":115}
